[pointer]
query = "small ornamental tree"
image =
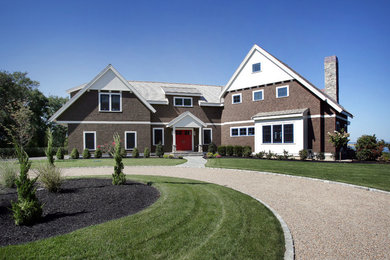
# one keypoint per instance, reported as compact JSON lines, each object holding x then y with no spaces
{"x":74,"y":154}
{"x":159,"y":150}
{"x":118,"y":177}
{"x":86,"y":154}
{"x":146,"y":152}
{"x":27,"y":209}
{"x":60,"y":154}
{"x":338,"y":139}
{"x":49,"y":150}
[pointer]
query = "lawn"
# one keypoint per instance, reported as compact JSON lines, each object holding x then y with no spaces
{"x":110,"y":162}
{"x":369,"y":175}
{"x":191,"y":219}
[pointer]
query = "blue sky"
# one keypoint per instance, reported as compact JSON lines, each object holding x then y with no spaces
{"x":63,"y":44}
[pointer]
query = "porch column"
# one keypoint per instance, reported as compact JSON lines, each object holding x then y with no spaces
{"x":174,"y":140}
{"x":200,"y":146}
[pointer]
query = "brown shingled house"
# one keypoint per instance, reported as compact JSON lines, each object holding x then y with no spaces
{"x":265,"y":105}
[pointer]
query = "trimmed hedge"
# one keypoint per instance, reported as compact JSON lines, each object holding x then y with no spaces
{"x":31,"y":151}
{"x":222,"y":150}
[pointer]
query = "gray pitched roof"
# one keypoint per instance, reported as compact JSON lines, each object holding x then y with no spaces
{"x":281,"y":112}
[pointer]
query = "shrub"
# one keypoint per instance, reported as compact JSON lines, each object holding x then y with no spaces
{"x":159,"y":150}
{"x":8,"y":173}
{"x":98,"y":153}
{"x":303,"y":154}
{"x":50,"y":177}
{"x":385,"y":157}
{"x":368,"y":148}
{"x":146,"y":152}
{"x":60,"y":154}
{"x":209,"y":155}
{"x":171,"y":156}
{"x":286,"y":155}
{"x":279,"y":157}
{"x":269,"y":155}
{"x":165,"y":156}
{"x":212,"y":148}
{"x":74,"y":154}
{"x":237,"y":150}
{"x":118,"y":177}
{"x":260,"y":154}
{"x":180,"y":157}
{"x":86,"y":154}
{"x":49,"y":150}
{"x":135,"y":153}
{"x":229,"y":150}
{"x":247,"y":151}
{"x":27,"y":209}
{"x":320,"y":156}
{"x":222,"y":150}
{"x":123,"y":152}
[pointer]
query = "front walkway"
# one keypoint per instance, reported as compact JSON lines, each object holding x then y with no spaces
{"x":327,"y":220}
{"x":193,"y":162}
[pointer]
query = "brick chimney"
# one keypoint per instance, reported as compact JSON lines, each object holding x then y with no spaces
{"x":331,"y":65}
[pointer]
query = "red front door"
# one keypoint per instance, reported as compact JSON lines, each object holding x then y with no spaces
{"x":183,"y":140}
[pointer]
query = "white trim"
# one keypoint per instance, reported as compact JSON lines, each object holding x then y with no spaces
{"x":182,"y":98}
{"x":183,"y":115}
{"x":109,"y":101}
{"x":255,"y":91}
{"x":94,"y":134}
{"x":288,"y":91}
{"x":233,"y":95}
{"x":108,"y":122}
{"x":272,"y":124}
{"x":135,"y":139}
{"x":258,"y":118}
{"x":162,"y":129}
{"x":209,"y":104}
{"x":183,"y":94}
{"x":211,"y":135}
{"x":158,"y":102}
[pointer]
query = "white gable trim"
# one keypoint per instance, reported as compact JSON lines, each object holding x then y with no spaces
{"x":286,"y":69}
{"x":184,"y":115}
{"x":86,"y":87}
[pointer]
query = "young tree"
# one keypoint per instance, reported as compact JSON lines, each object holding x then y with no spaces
{"x":339,"y":139}
{"x":49,"y":150}
{"x":118,"y":177}
{"x":21,"y":130}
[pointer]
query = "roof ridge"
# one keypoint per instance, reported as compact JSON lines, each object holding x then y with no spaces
{"x":195,"y":84}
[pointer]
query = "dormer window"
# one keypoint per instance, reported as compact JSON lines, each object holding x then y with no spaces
{"x":256,"y":67}
{"x":182,"y":102}
{"x":110,"y":102}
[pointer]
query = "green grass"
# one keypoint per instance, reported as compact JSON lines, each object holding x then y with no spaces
{"x":191,"y":219}
{"x":369,"y":175}
{"x":110,"y":162}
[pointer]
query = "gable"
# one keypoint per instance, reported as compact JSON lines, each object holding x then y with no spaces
{"x":269,"y":73}
{"x":109,"y":81}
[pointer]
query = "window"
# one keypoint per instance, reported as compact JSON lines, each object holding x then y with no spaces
{"x":251,"y":131}
{"x":158,"y":136}
{"x":282,"y":92}
{"x":110,"y":102}
{"x":182,"y":102}
{"x":256,"y":67}
{"x":236,"y":99}
{"x":234,"y":131}
{"x":288,"y":133}
{"x":90,"y":140}
{"x":207,"y":136}
{"x":242,"y":131}
{"x":130,"y":140}
{"x":257,"y":95}
{"x":266,"y":134}
{"x":278,"y":133}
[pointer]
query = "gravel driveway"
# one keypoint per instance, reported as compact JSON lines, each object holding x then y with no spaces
{"x":327,"y":220}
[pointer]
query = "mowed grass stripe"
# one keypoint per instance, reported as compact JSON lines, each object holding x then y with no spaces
{"x":191,"y":220}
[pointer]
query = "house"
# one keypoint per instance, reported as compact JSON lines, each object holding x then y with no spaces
{"x":265,"y":104}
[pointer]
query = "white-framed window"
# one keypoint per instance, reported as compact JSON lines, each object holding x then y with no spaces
{"x":207,"y":135}
{"x":89,"y":140}
{"x":282,"y":91}
{"x":242,"y":131}
{"x":236,"y":98}
{"x":256,"y":67}
{"x":158,"y":136}
{"x":258,"y":95}
{"x":279,"y":133}
{"x":182,"y":101}
{"x":130,"y":140}
{"x":110,"y":102}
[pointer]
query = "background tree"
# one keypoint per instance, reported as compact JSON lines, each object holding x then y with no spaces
{"x":368,"y":148}
{"x":59,"y":131}
{"x":339,"y":139}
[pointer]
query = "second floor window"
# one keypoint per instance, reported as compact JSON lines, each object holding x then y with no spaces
{"x":236,"y":99}
{"x":282,"y":92}
{"x":110,"y":102}
{"x":256,"y":67}
{"x":182,"y":102}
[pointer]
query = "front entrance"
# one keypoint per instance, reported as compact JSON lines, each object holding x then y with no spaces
{"x":184,"y":140}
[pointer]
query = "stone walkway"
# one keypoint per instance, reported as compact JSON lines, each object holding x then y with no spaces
{"x":327,"y":220}
{"x":194,"y":162}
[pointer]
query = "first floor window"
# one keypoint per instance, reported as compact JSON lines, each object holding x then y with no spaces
{"x":130,"y":140}
{"x":234,"y":132}
{"x":90,"y":140}
{"x":242,"y":131}
{"x":158,"y":136}
{"x":266,"y":134}
{"x":288,"y":133}
{"x":278,"y":133}
{"x":251,"y":131}
{"x":207,"y":136}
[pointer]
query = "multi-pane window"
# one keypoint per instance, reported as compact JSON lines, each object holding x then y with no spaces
{"x":158,"y":136}
{"x":207,"y":136}
{"x":258,"y":95}
{"x":256,"y":67}
{"x":282,"y":91}
{"x":242,"y":131}
{"x":234,"y":131}
{"x":130,"y":140}
{"x":251,"y":131}
{"x":278,"y":133}
{"x":90,"y":140}
{"x":182,"y":102}
{"x":236,"y":98}
{"x":110,"y":102}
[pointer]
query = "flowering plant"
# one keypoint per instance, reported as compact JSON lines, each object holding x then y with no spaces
{"x":339,"y":139}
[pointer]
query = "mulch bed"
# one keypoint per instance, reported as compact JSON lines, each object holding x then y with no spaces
{"x":81,"y":203}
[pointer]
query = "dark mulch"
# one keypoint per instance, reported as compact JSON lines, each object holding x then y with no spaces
{"x":81,"y":203}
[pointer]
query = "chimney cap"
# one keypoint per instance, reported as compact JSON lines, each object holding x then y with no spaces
{"x":331,"y":58}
